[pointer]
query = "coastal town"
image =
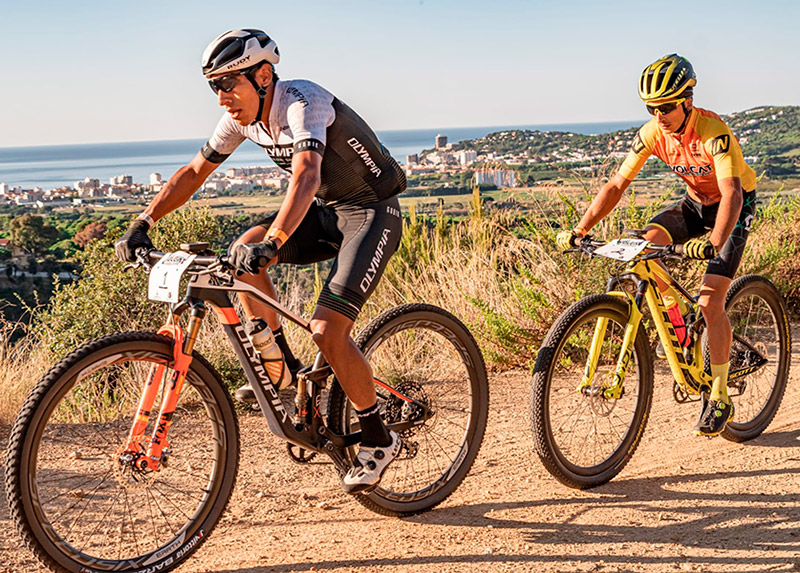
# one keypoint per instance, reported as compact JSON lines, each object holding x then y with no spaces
{"x":505,"y":159}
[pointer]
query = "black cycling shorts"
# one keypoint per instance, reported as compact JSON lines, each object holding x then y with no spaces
{"x":362,"y":238}
{"x":688,"y":219}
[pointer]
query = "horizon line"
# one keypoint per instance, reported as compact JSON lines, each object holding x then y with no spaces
{"x":514,"y":126}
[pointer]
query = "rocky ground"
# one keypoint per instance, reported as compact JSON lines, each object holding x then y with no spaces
{"x":683,"y":503}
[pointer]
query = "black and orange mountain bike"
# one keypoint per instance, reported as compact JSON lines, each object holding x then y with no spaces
{"x":124,"y":455}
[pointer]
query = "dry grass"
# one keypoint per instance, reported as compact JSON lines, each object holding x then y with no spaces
{"x":498,"y":271}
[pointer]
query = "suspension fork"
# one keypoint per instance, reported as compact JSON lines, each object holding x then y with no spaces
{"x":182,"y":348}
{"x":615,"y":389}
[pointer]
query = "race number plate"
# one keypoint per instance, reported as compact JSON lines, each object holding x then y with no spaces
{"x":165,"y":276}
{"x":622,"y":249}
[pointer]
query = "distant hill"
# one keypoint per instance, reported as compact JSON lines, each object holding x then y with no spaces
{"x":770,"y":138}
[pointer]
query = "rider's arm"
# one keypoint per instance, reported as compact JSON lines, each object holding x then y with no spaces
{"x":604,"y":202}
{"x":181,"y":186}
{"x":728,"y":211}
{"x":306,"y":178}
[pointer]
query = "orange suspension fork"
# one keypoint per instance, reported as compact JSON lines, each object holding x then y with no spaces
{"x":182,"y":354}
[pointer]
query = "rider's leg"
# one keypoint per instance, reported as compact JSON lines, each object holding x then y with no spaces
{"x":720,"y":335}
{"x":331,"y":331}
{"x":659,"y":235}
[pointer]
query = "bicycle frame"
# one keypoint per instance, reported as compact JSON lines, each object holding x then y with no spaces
{"x":306,"y":429}
{"x":688,"y":370}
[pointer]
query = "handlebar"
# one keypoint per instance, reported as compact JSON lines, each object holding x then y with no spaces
{"x":588,"y":244}
{"x":148,"y":257}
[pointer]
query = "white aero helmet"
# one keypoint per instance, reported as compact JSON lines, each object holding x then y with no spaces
{"x":238,"y":50}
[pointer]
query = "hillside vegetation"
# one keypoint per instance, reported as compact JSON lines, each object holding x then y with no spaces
{"x":769,"y":135}
{"x":499,"y":271}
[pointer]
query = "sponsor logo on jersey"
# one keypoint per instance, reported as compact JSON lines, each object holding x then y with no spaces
{"x":693,"y":170}
{"x":299,"y":95}
{"x":720,"y":144}
{"x":637,"y":145}
{"x":364,"y":154}
{"x":375,"y":264}
{"x":393,"y":211}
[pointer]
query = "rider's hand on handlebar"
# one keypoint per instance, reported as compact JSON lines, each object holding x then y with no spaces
{"x":250,"y":258}
{"x":700,"y":249}
{"x":134,"y":238}
{"x":568,"y":239}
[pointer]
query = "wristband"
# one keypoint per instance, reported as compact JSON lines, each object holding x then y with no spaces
{"x":147,"y":218}
{"x":279,"y":234}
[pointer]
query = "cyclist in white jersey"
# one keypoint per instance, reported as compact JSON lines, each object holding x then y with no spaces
{"x":341,"y":202}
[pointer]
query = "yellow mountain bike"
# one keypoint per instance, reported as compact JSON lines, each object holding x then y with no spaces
{"x":593,"y":379}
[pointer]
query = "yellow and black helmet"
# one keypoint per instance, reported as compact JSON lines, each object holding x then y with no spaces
{"x":667,"y":79}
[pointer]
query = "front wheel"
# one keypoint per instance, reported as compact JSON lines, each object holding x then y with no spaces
{"x":427,"y":354}
{"x":758,"y":317}
{"x":583,"y":434}
{"x":78,"y":503}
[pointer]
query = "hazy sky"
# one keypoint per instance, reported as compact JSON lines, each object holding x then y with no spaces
{"x":95,"y":71}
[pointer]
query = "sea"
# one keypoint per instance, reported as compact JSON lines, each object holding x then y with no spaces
{"x":53,"y":166}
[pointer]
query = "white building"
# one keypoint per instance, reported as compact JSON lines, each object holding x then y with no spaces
{"x":467,"y":157}
{"x":155,"y":179}
{"x":87,"y":183}
{"x":4,"y":188}
{"x":496,"y":177}
{"x":122,"y":180}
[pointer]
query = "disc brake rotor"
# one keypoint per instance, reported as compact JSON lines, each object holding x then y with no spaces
{"x":600,"y":405}
{"x":126,"y":471}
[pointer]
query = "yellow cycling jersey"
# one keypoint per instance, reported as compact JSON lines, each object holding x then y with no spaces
{"x":703,"y":154}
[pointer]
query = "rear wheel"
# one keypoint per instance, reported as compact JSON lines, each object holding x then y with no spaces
{"x":428,"y":355}
{"x":78,"y":505}
{"x":758,"y":319}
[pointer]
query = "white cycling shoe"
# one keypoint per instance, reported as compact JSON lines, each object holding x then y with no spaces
{"x":369,"y":465}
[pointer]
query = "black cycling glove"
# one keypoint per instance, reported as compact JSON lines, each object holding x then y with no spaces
{"x":134,"y":238}
{"x":251,"y":257}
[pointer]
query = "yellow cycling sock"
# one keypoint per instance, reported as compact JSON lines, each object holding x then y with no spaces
{"x":719,"y":389}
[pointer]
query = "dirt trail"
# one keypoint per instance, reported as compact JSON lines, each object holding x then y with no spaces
{"x":683,"y":503}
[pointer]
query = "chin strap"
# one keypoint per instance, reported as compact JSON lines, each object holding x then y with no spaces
{"x":679,"y":130}
{"x":262,"y":95}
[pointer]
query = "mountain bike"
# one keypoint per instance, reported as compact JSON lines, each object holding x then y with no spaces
{"x":124,"y":455}
{"x":592,"y":385}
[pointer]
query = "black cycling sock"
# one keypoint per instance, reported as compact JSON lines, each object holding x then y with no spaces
{"x":288,"y":356}
{"x":373,"y":431}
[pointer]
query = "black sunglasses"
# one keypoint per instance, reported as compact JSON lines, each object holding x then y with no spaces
{"x":664,"y":108}
{"x":224,"y":83}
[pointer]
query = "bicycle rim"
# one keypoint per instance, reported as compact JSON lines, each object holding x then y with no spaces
{"x":757,"y":316}
{"x":583,"y":437}
{"x":95,"y":511}
{"x":426,"y":354}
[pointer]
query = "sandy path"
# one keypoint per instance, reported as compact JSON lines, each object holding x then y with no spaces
{"x":683,"y":503}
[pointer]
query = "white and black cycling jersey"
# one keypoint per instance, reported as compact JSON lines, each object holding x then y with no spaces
{"x":356,"y":168}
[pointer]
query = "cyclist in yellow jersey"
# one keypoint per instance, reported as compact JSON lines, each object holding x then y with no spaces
{"x":720,"y":197}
